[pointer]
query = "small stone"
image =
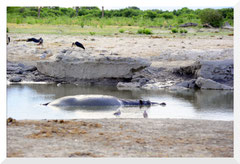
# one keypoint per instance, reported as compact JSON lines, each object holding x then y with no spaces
{"x":19,"y":71}
{"x":30,"y":68}
{"x":11,"y":120}
{"x":21,"y":65}
{"x":15,"y":79}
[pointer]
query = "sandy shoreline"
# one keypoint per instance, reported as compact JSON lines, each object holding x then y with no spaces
{"x":120,"y":138}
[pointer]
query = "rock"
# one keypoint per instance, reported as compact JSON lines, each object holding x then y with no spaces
{"x":11,"y":68}
{"x":203,"y":83}
{"x":187,"y":84}
{"x":19,"y":71}
{"x":177,"y":88}
{"x":142,"y":81}
{"x":219,"y":71}
{"x":11,"y":120}
{"x":188,"y":24}
{"x":227,"y":26}
{"x":30,"y":68}
{"x":15,"y":79}
{"x":85,"y":66}
{"x":128,"y":86}
{"x":206,"y":25}
{"x":21,"y":65}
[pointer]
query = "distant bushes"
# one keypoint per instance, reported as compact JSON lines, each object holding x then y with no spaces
{"x":183,"y":31}
{"x":92,"y":33}
{"x":131,"y":16}
{"x":167,"y":15}
{"x":121,"y":30}
{"x":144,"y":31}
{"x":212,"y":17}
{"x":174,"y":30}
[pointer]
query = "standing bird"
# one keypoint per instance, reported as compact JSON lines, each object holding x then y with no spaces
{"x":78,"y":45}
{"x":145,"y":114}
{"x":117,"y":113}
{"x":39,"y":41}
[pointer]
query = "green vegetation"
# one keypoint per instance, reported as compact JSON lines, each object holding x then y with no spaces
{"x":131,"y":16}
{"x":92,"y":33}
{"x":212,"y":17}
{"x":121,"y":30}
{"x":144,"y":31}
{"x":107,"y":30}
{"x":174,"y":30}
{"x":183,"y":31}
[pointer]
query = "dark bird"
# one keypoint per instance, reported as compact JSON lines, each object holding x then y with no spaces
{"x":39,"y":41}
{"x":8,"y":39}
{"x":78,"y":45}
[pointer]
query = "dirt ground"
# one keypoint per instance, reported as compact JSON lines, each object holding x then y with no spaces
{"x":120,"y":138}
{"x":125,"y":46}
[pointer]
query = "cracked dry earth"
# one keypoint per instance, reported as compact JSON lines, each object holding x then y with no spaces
{"x":120,"y":138}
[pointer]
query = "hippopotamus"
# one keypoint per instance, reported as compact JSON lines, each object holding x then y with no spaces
{"x":97,"y":100}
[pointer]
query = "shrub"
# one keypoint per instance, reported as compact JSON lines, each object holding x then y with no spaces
{"x":140,"y":31}
{"x":144,"y":31}
{"x":212,"y":17}
{"x":180,"y":20}
{"x":174,"y":30}
{"x":92,"y":33}
{"x":82,"y":24}
{"x":19,"y":20}
{"x":183,"y":31}
{"x":147,"y":31}
{"x":121,"y":30}
{"x":167,"y":15}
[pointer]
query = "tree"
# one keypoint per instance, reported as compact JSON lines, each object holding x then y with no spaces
{"x":102,"y":11}
{"x":77,"y":9}
{"x":39,"y":10}
{"x":150,"y":14}
{"x":212,"y":17}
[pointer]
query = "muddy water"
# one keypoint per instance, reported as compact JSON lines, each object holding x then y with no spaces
{"x":23,"y":102}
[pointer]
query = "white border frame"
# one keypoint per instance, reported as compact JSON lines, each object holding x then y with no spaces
{"x":124,"y":3}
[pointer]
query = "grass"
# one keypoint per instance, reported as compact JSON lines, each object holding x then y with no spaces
{"x":105,"y":30}
{"x":101,"y":22}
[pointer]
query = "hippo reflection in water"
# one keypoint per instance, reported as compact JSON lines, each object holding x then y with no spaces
{"x":98,"y":100}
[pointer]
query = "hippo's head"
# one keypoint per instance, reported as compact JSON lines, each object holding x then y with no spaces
{"x":144,"y":103}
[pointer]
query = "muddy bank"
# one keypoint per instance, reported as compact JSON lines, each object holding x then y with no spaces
{"x":167,"y":61}
{"x":120,"y":138}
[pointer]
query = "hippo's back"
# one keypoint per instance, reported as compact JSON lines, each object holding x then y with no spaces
{"x":87,"y":100}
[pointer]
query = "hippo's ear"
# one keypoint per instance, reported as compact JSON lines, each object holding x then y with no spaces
{"x":140,"y":102}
